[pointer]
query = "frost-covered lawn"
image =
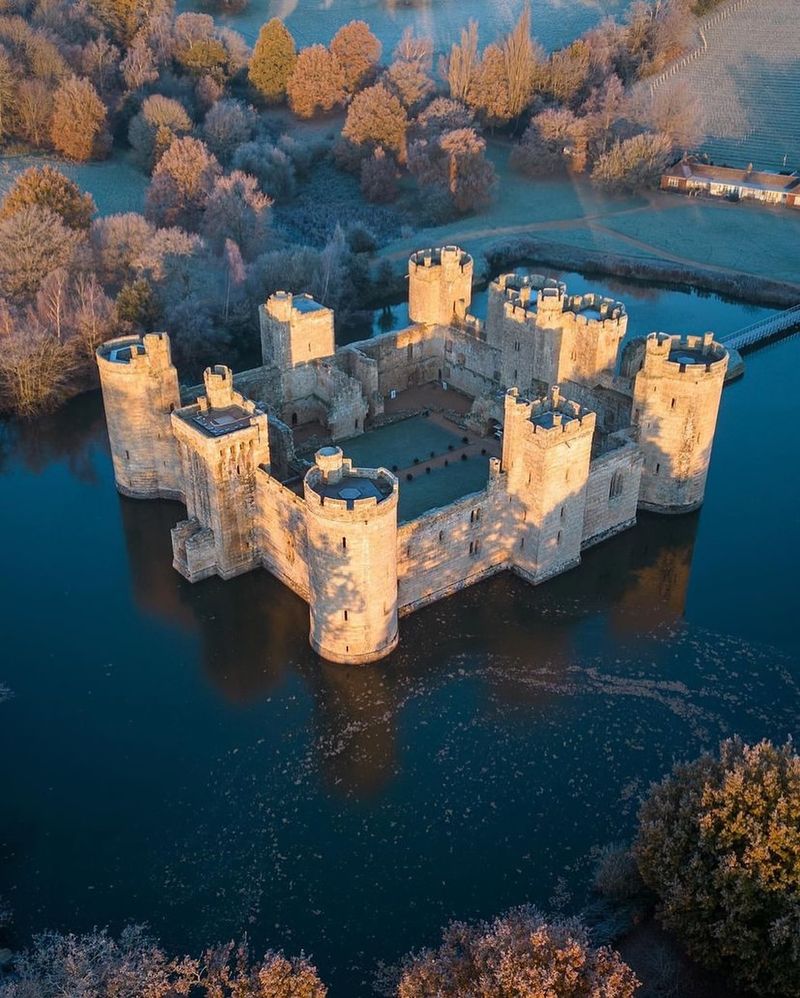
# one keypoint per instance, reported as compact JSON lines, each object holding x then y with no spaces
{"x":114,"y":184}
{"x":742,"y":237}
{"x":555,"y":22}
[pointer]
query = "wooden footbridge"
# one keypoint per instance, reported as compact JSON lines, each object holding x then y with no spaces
{"x":766,"y":329}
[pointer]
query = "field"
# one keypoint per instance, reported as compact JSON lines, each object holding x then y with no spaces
{"x":748,"y":85}
{"x":743,"y":238}
{"x":555,"y":22}
{"x":114,"y":183}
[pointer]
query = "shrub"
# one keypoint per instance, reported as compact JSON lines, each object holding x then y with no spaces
{"x":719,"y":843}
{"x":227,"y":125}
{"x":616,"y":875}
{"x":47,"y":187}
{"x":518,"y":955}
{"x":272,"y":167}
{"x":272,"y":62}
{"x":634,"y":163}
{"x":379,"y":177}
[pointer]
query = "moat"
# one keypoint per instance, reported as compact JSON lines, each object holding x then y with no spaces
{"x":197,"y":767}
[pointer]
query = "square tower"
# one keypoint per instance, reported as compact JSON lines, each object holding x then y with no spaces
{"x":295,"y":329}
{"x":223,"y":440}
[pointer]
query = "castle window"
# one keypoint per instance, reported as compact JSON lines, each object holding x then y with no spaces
{"x":172,"y":407}
{"x":673,"y":404}
{"x":441,"y":536}
{"x":410,"y":351}
{"x":561,"y":514}
{"x":558,"y":537}
{"x":658,"y":468}
{"x":616,"y":486}
{"x":345,"y":614}
{"x":127,"y":455}
{"x":294,"y":419}
{"x":344,"y":544}
{"x":566,"y":476}
{"x":356,"y":424}
{"x":472,"y":547}
{"x":522,"y":542}
{"x":472,"y":516}
{"x":515,"y":374}
{"x":309,"y":348}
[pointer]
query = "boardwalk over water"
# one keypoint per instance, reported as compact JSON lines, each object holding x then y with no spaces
{"x":766,"y":329}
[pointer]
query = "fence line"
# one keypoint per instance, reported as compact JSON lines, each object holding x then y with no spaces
{"x":686,"y":60}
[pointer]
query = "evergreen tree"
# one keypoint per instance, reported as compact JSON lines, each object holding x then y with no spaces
{"x":274,"y":57}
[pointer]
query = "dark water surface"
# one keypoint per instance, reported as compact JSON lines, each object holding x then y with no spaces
{"x":176,"y":754}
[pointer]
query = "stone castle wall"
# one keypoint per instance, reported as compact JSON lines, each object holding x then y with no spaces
{"x":577,"y":461}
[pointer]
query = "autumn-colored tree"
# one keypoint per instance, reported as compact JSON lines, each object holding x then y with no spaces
{"x":49,"y":188}
{"x":519,"y":53}
{"x":379,"y":177}
{"x":357,"y":51}
{"x":376,"y":117}
{"x":634,"y":163}
{"x":78,"y":125}
{"x":409,"y":81}
{"x":719,"y":843}
{"x":518,"y":955}
{"x":151,"y":131}
{"x":461,"y":66}
{"x":455,"y":162}
{"x":33,"y":112}
{"x":316,"y":83}
{"x":273,"y":59}
{"x":547,"y":143}
{"x":570,"y":73}
{"x":121,"y":17}
{"x":489,"y":94}
{"x":182,"y":181}
{"x":8,"y":92}
{"x":202,"y":49}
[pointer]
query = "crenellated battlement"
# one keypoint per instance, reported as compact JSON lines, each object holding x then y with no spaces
{"x":688,"y":357}
{"x":334,"y":483}
{"x":552,"y":417}
{"x":573,"y":468}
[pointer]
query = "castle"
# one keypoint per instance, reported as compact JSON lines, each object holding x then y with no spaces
{"x":494,"y":467}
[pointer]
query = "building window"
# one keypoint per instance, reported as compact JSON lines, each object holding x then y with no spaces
{"x":617,"y":484}
{"x":356,"y":424}
{"x":441,"y":536}
{"x":127,"y":455}
{"x":558,"y":537}
{"x":344,"y":544}
{"x":472,"y":547}
{"x":345,"y":614}
{"x":673,"y":404}
{"x":410,"y":351}
{"x":561,"y":514}
{"x":522,"y":542}
{"x":658,"y":468}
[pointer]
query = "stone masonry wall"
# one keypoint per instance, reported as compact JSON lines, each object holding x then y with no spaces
{"x":612,"y":493}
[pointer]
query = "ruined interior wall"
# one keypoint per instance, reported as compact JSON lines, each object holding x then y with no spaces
{"x":470,"y":364}
{"x":365,"y":371}
{"x":281,"y":533}
{"x":610,"y":510}
{"x":405,"y":358}
{"x":612,"y":406}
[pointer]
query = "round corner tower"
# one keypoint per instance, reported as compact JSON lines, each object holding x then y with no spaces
{"x":352,"y":559}
{"x":140,"y":389}
{"x":676,"y":396}
{"x":439,"y":285}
